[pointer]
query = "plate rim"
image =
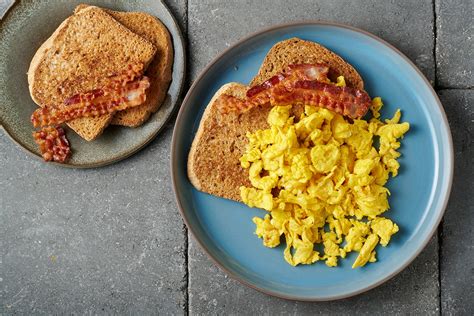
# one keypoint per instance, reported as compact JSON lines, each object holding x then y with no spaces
{"x":149,"y":139}
{"x":450,"y":156}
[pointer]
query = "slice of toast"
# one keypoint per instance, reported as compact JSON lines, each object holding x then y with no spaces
{"x":85,"y":49}
{"x":298,"y":51}
{"x":213,"y":161}
{"x":159,"y":71}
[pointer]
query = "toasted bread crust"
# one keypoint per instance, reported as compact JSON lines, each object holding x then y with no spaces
{"x":213,"y":161}
{"x":71,"y":61}
{"x":298,"y":51}
{"x":213,"y":164}
{"x":159,"y":71}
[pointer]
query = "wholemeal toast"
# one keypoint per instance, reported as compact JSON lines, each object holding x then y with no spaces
{"x":213,"y":161}
{"x":159,"y":71}
{"x":298,"y":51}
{"x":86,"y":49}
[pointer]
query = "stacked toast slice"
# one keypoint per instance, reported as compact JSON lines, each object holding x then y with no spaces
{"x":92,"y":45}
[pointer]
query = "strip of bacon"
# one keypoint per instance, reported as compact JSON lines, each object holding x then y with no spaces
{"x":303,"y":83}
{"x":122,"y":91}
{"x":115,"y":82}
{"x":95,"y":103}
{"x":88,"y":96}
{"x":308,"y":72}
{"x":343,"y":100}
{"x":292,"y":73}
{"x":53,"y":143}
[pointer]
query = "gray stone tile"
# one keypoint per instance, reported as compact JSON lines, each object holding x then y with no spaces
{"x":214,"y":25}
{"x":455,"y":43}
{"x":107,"y":240}
{"x":180,"y":12}
{"x":414,"y":291}
{"x":457,"y":244}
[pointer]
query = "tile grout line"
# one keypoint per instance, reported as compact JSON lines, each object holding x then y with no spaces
{"x":453,"y":88}
{"x":186,"y":234}
{"x":440,"y":227}
{"x":186,"y":274}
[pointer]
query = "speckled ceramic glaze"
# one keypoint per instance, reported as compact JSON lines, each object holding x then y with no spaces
{"x":23,"y":29}
{"x":225,"y":229}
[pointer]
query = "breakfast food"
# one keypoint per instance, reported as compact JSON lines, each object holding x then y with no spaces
{"x":159,"y":70}
{"x":295,"y":144}
{"x":327,"y":172}
{"x":213,"y":164}
{"x":79,"y":75}
{"x":53,"y":143}
{"x":85,"y":50}
{"x":122,"y":92}
{"x":301,"y":83}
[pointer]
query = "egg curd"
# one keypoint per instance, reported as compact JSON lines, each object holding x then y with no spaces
{"x":322,"y":181}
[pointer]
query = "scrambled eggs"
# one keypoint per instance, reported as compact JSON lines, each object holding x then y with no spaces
{"x":322,"y":181}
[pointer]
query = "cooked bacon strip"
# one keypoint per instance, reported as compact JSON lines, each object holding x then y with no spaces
{"x":132,"y":73}
{"x":343,"y":100}
{"x":116,"y":97}
{"x":53,"y":143}
{"x":261,"y":94}
{"x":122,"y":91}
{"x":299,"y":72}
{"x":228,"y":103}
{"x":292,"y":73}
{"x":78,"y":98}
{"x":304,"y":83}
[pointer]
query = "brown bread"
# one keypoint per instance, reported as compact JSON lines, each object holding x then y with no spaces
{"x":85,"y":49}
{"x":298,"y":51}
{"x":213,"y":161}
{"x":159,"y":70}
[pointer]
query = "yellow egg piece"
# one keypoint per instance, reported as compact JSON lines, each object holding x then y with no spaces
{"x":323,"y":182}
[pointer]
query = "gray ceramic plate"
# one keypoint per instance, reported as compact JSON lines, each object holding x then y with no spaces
{"x":23,"y":29}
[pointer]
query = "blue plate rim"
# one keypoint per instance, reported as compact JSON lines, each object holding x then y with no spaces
{"x":440,"y":209}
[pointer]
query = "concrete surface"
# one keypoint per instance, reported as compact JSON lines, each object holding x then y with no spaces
{"x":111,"y":241}
{"x":217,"y":24}
{"x":455,"y":43}
{"x":457,"y":243}
{"x":415,"y":291}
{"x":107,"y":240}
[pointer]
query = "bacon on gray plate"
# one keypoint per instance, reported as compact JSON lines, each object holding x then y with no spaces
{"x":121,"y":92}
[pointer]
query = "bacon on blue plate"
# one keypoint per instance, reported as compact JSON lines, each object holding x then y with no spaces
{"x":305,"y":84}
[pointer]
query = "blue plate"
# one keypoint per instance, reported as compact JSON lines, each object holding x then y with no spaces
{"x":419,"y":194}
